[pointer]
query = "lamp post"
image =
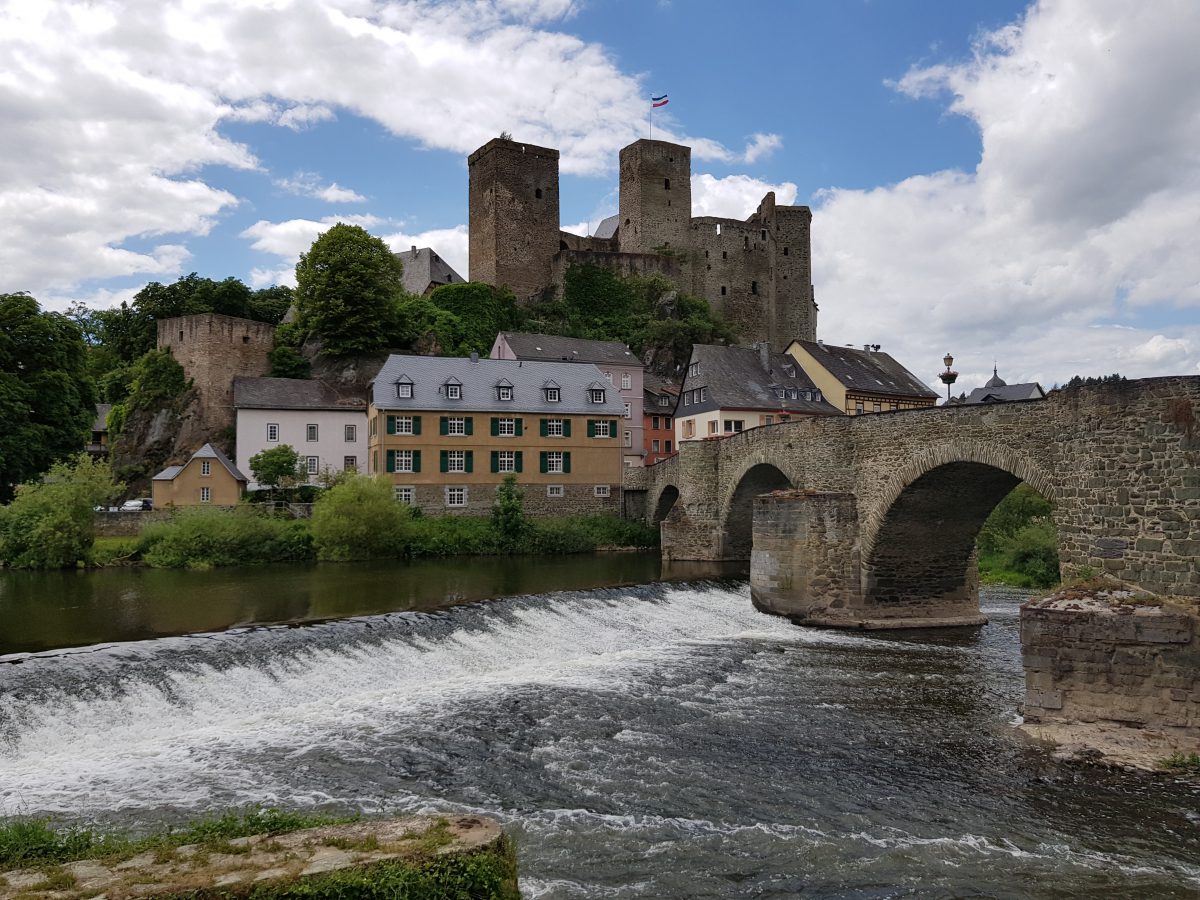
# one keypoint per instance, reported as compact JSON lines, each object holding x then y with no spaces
{"x":949,"y":376}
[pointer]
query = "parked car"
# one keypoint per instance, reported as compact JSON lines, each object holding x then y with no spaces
{"x":137,"y":505}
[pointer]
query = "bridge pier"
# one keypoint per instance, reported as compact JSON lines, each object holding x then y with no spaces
{"x":806,"y":565}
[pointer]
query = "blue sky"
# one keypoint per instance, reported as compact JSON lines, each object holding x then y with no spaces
{"x":1007,"y":181}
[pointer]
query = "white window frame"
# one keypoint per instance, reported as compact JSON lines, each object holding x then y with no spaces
{"x":351,"y":433}
{"x":350,"y":464}
{"x":206,"y":467}
{"x":596,"y":395}
{"x":602,"y":490}
{"x":626,"y":381}
{"x":628,"y":438}
{"x":555,"y":427}
{"x":457,"y":493}
{"x":608,"y":375}
{"x":629,"y":410}
{"x":454,"y":392}
{"x":312,"y":433}
{"x":313,"y":465}
{"x":553,"y":395}
{"x":456,"y":426}
{"x":654,"y":445}
{"x":404,"y":424}
{"x":206,"y":495}
{"x":506,"y":461}
{"x":602,"y":428}
{"x":404,"y":460}
{"x":404,"y":390}
{"x":506,"y":428}
{"x":456,"y":460}
{"x":272,"y":433}
{"x":554,"y":462}
{"x":504,"y":393}
{"x":554,"y":490}
{"x":735,"y":426}
{"x":693,"y":369}
{"x":404,"y":494}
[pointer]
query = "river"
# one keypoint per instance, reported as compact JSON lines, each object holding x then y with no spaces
{"x":662,"y":740}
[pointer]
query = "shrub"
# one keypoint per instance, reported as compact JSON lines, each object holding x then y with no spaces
{"x":288,"y":362}
{"x":508,"y":515}
{"x":202,"y":537}
{"x":360,"y":519}
{"x":157,"y":380}
{"x":452,"y":536}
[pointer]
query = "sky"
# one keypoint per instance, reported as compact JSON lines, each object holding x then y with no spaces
{"x":1018,"y":185}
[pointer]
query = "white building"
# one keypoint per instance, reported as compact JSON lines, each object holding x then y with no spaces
{"x":327,"y":430}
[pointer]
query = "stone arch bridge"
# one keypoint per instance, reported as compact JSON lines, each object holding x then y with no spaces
{"x":871,"y":521}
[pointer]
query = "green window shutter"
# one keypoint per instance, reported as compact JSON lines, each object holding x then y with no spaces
{"x":495,"y":458}
{"x":416,"y":424}
{"x":444,"y":426}
{"x":567,"y":463}
{"x":444,"y":460}
{"x":520,"y":462}
{"x":542,"y":465}
{"x":416,"y":460}
{"x":470,"y":460}
{"x":495,"y":428}
{"x":543,"y":431}
{"x":566,"y":427}
{"x":470,"y":425}
{"x":391,"y":460}
{"x":591,"y":427}
{"x":391,"y":424}
{"x":612,"y":429}
{"x":520,"y":427}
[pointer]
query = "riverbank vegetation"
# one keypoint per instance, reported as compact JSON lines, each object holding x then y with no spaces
{"x":1018,"y":544}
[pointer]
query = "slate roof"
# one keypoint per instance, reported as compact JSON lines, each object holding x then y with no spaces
{"x":423,"y":268}
{"x":865,"y":370}
{"x":290,"y":393}
{"x":567,"y":349}
{"x":479,"y":379}
{"x":101,"y":422}
{"x":1006,"y":393}
{"x":208,"y":451}
{"x":607,"y":227}
{"x":736,"y":379}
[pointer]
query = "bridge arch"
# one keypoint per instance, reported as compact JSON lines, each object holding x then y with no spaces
{"x":918,"y":537}
{"x":737,"y":520}
{"x":666,"y":500}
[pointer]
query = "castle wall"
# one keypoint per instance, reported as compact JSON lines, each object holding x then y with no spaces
{"x":513,"y":198}
{"x":655,"y":196}
{"x":569,"y":241}
{"x":623,"y":264}
{"x":213,"y":349}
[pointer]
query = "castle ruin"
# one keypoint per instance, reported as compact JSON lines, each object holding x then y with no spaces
{"x":756,"y":273}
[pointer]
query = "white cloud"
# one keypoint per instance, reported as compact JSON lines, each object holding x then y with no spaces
{"x":735,"y":196}
{"x":1084,"y":209}
{"x":308,"y":184}
{"x":760,"y":146}
{"x":291,"y":238}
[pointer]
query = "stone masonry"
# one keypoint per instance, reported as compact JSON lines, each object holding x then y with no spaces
{"x":757,"y":272}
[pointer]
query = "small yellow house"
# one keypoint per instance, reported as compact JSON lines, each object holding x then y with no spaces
{"x":208,"y":478}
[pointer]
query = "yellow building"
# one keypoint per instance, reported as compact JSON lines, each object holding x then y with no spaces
{"x":207,"y":479}
{"x":860,"y":381}
{"x":447,"y":431}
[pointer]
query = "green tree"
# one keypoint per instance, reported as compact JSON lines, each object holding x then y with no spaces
{"x":156,"y":380}
{"x":347,"y":287}
{"x":482,"y":311}
{"x":50,"y":524}
{"x":288,"y":362}
{"x":47,"y":400}
{"x":277,"y":467}
{"x":508,"y":515}
{"x":360,"y":519}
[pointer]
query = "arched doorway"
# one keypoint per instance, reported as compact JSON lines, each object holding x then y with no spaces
{"x":737,"y":537}
{"x":666,"y":502}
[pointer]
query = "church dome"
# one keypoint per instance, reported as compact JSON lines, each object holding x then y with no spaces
{"x":995,"y":380}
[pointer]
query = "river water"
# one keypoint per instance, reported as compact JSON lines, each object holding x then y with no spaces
{"x":663,"y":740}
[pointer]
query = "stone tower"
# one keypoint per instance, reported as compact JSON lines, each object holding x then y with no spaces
{"x":513,"y":198}
{"x":790,"y":307}
{"x":655,"y":196}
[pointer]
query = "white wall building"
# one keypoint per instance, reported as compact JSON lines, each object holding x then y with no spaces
{"x":327,"y":430}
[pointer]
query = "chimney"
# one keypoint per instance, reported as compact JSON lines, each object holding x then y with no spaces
{"x":764,"y":354}
{"x":414,"y":249}
{"x":867,"y":347}
{"x":474,"y":357}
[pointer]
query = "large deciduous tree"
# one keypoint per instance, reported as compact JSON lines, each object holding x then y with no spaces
{"x":47,"y":401}
{"x":347,"y":288}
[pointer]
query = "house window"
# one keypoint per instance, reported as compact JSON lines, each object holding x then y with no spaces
{"x":310,"y":432}
{"x":689,"y":428}
{"x":403,"y":494}
{"x":608,"y":375}
{"x":504,"y":393}
{"x":351,"y":434}
{"x":654,"y":422}
{"x":313,"y":465}
{"x":555,"y":428}
{"x":350,"y":464}
{"x":456,"y":425}
{"x":693,"y":369}
{"x":703,"y":395}
{"x":404,"y":390}
{"x":601,"y":428}
{"x":687,"y":399}
{"x":626,"y":381}
{"x":602,"y":490}
{"x":667,"y":447}
{"x":554,"y":490}
{"x":456,"y":461}
{"x":628,"y":438}
{"x":667,"y":422}
{"x":205,"y":495}
{"x":858,"y":407}
{"x":506,"y":427}
{"x":506,"y":461}
{"x":768,"y":420}
{"x":404,"y":425}
{"x":205,"y":467}
{"x":875,"y":407}
{"x":456,"y":496}
{"x":733,"y":426}
{"x":454,"y":392}
{"x":554,"y":461}
{"x":272,"y":433}
{"x":712,"y":426}
{"x":628,"y":411}
{"x":403,"y":461}
{"x":654,"y":446}
{"x":664,"y":400}
{"x":552,"y":394}
{"x":596,"y":395}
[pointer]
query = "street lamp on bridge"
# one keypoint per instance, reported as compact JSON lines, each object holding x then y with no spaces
{"x":949,"y":376}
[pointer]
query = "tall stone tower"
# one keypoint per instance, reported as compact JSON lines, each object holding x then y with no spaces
{"x":513,"y":198}
{"x":791,"y":311}
{"x":655,"y":196}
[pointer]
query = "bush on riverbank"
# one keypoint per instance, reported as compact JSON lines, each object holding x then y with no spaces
{"x":1018,"y":544}
{"x":359,"y":519}
{"x":200,"y":538}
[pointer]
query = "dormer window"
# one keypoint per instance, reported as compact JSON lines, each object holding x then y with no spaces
{"x":694,"y":369}
{"x":453,"y":390}
{"x":404,"y":390}
{"x":596,"y":395}
{"x":551,"y":392}
{"x":504,"y":393}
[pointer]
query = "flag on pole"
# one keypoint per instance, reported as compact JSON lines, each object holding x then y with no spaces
{"x":659,"y":101}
